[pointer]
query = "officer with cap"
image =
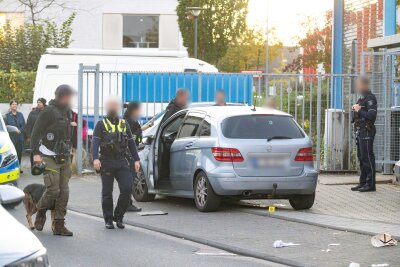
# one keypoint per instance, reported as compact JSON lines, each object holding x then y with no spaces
{"x":112,"y":144}
{"x":364,"y":116}
{"x":51,"y":146}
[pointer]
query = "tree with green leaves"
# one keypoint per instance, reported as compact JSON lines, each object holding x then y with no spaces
{"x":248,"y":53}
{"x":22,"y":47}
{"x":220,"y":24}
{"x":316,"y":45}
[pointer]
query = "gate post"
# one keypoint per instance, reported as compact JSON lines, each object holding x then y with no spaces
{"x":80,"y":123}
{"x":318,"y":154}
{"x":96,"y":93}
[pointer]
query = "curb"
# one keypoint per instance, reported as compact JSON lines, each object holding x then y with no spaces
{"x":228,"y":248}
{"x":286,"y":218}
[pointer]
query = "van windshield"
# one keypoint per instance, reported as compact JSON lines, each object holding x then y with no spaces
{"x":261,"y":127}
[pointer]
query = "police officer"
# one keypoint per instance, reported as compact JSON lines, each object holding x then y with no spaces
{"x":51,"y":145}
{"x":364,"y":116}
{"x":113,"y":137}
{"x":132,"y":116}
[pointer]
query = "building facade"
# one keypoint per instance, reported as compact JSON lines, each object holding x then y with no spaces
{"x":105,"y":24}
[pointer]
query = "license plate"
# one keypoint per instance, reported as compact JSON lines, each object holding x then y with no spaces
{"x":270,"y":161}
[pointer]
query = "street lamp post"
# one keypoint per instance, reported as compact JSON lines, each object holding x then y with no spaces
{"x":195,"y":11}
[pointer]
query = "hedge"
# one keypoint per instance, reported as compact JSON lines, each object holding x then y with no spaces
{"x":17,"y":85}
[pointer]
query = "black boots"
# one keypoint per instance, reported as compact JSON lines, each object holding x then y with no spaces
{"x":110,"y":225}
{"x":367,"y":188}
{"x":120,"y":224}
{"x":363,"y":188}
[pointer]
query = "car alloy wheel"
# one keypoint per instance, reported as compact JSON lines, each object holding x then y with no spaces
{"x":140,"y":190}
{"x":201,"y":191}
{"x":139,"y":184}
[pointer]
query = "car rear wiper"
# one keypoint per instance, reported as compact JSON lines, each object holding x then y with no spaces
{"x":279,"y":137}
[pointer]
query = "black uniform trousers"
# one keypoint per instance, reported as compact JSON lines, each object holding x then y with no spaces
{"x":366,"y":156}
{"x":119,"y":170}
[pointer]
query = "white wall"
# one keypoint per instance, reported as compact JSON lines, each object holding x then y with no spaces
{"x":88,"y":25}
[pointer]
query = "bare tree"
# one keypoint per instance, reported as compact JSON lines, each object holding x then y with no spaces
{"x":36,"y":7}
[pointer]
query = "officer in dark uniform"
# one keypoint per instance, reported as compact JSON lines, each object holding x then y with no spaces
{"x":113,"y":137}
{"x":51,"y":144}
{"x":364,"y":116}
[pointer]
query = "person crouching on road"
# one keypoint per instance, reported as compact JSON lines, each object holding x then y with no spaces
{"x":112,"y":143}
{"x":51,"y":144}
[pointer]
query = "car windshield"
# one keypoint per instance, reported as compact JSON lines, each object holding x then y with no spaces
{"x":261,"y":127}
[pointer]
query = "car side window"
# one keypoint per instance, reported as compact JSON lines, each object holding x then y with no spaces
{"x":191,"y":125}
{"x":205,"y":128}
{"x":173,"y":126}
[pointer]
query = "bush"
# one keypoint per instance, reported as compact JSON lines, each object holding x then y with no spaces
{"x":22,"y":47}
{"x":17,"y":85}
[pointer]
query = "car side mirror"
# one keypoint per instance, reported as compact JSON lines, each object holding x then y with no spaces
{"x":12,"y":129}
{"x":10,"y":196}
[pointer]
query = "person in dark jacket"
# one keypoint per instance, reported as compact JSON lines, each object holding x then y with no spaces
{"x":112,"y":144}
{"x":180,"y":102}
{"x":132,"y":116}
{"x":32,"y":117}
{"x":16,"y":118}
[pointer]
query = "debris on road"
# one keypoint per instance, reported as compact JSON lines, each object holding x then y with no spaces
{"x":354,"y":264}
{"x":281,"y":244}
{"x":152,"y":213}
{"x":271,"y":209}
{"x":333,"y":244}
{"x":383,"y":240}
{"x":326,"y":250}
{"x":380,"y":265}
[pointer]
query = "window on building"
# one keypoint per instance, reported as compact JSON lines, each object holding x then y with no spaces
{"x":140,"y":31}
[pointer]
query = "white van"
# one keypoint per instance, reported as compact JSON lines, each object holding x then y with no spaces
{"x":60,"y":66}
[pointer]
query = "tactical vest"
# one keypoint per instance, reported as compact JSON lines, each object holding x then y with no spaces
{"x":114,"y":143}
{"x":58,"y":135}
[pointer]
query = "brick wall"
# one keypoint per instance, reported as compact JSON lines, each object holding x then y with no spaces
{"x":363,"y":20}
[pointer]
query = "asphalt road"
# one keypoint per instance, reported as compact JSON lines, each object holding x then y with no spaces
{"x":93,"y":245}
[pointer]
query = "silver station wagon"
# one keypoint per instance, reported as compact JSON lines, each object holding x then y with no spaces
{"x":208,"y":153}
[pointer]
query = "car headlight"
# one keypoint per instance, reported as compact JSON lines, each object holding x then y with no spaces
{"x":37,"y":259}
{"x":7,"y":157}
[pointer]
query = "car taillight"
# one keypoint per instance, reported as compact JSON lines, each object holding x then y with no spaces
{"x":227,"y":154}
{"x":304,"y":154}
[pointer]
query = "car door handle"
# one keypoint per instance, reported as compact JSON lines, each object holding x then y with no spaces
{"x":189,"y":145}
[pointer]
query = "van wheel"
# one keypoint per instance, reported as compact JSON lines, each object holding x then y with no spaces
{"x":204,"y":196}
{"x":302,"y":202}
{"x":140,"y":191}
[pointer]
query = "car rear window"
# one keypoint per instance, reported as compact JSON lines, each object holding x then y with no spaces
{"x":261,"y":127}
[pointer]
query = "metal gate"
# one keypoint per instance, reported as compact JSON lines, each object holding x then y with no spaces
{"x":320,"y":103}
{"x":382,"y":69}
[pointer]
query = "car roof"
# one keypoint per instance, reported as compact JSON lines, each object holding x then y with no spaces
{"x":221,"y":112}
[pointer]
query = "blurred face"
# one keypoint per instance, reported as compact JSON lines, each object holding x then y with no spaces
{"x":39,"y":105}
{"x":14,"y":106}
{"x":182,"y":99}
{"x":136,"y":113}
{"x":66,"y":101}
{"x":362,"y":87}
{"x":220,"y":99}
{"x":113,"y":106}
{"x":271,"y":103}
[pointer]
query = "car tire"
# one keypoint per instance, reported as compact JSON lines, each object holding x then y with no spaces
{"x":204,"y":196}
{"x":140,"y":190}
{"x":302,"y":202}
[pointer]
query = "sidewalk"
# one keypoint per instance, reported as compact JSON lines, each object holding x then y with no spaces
{"x":338,"y":207}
